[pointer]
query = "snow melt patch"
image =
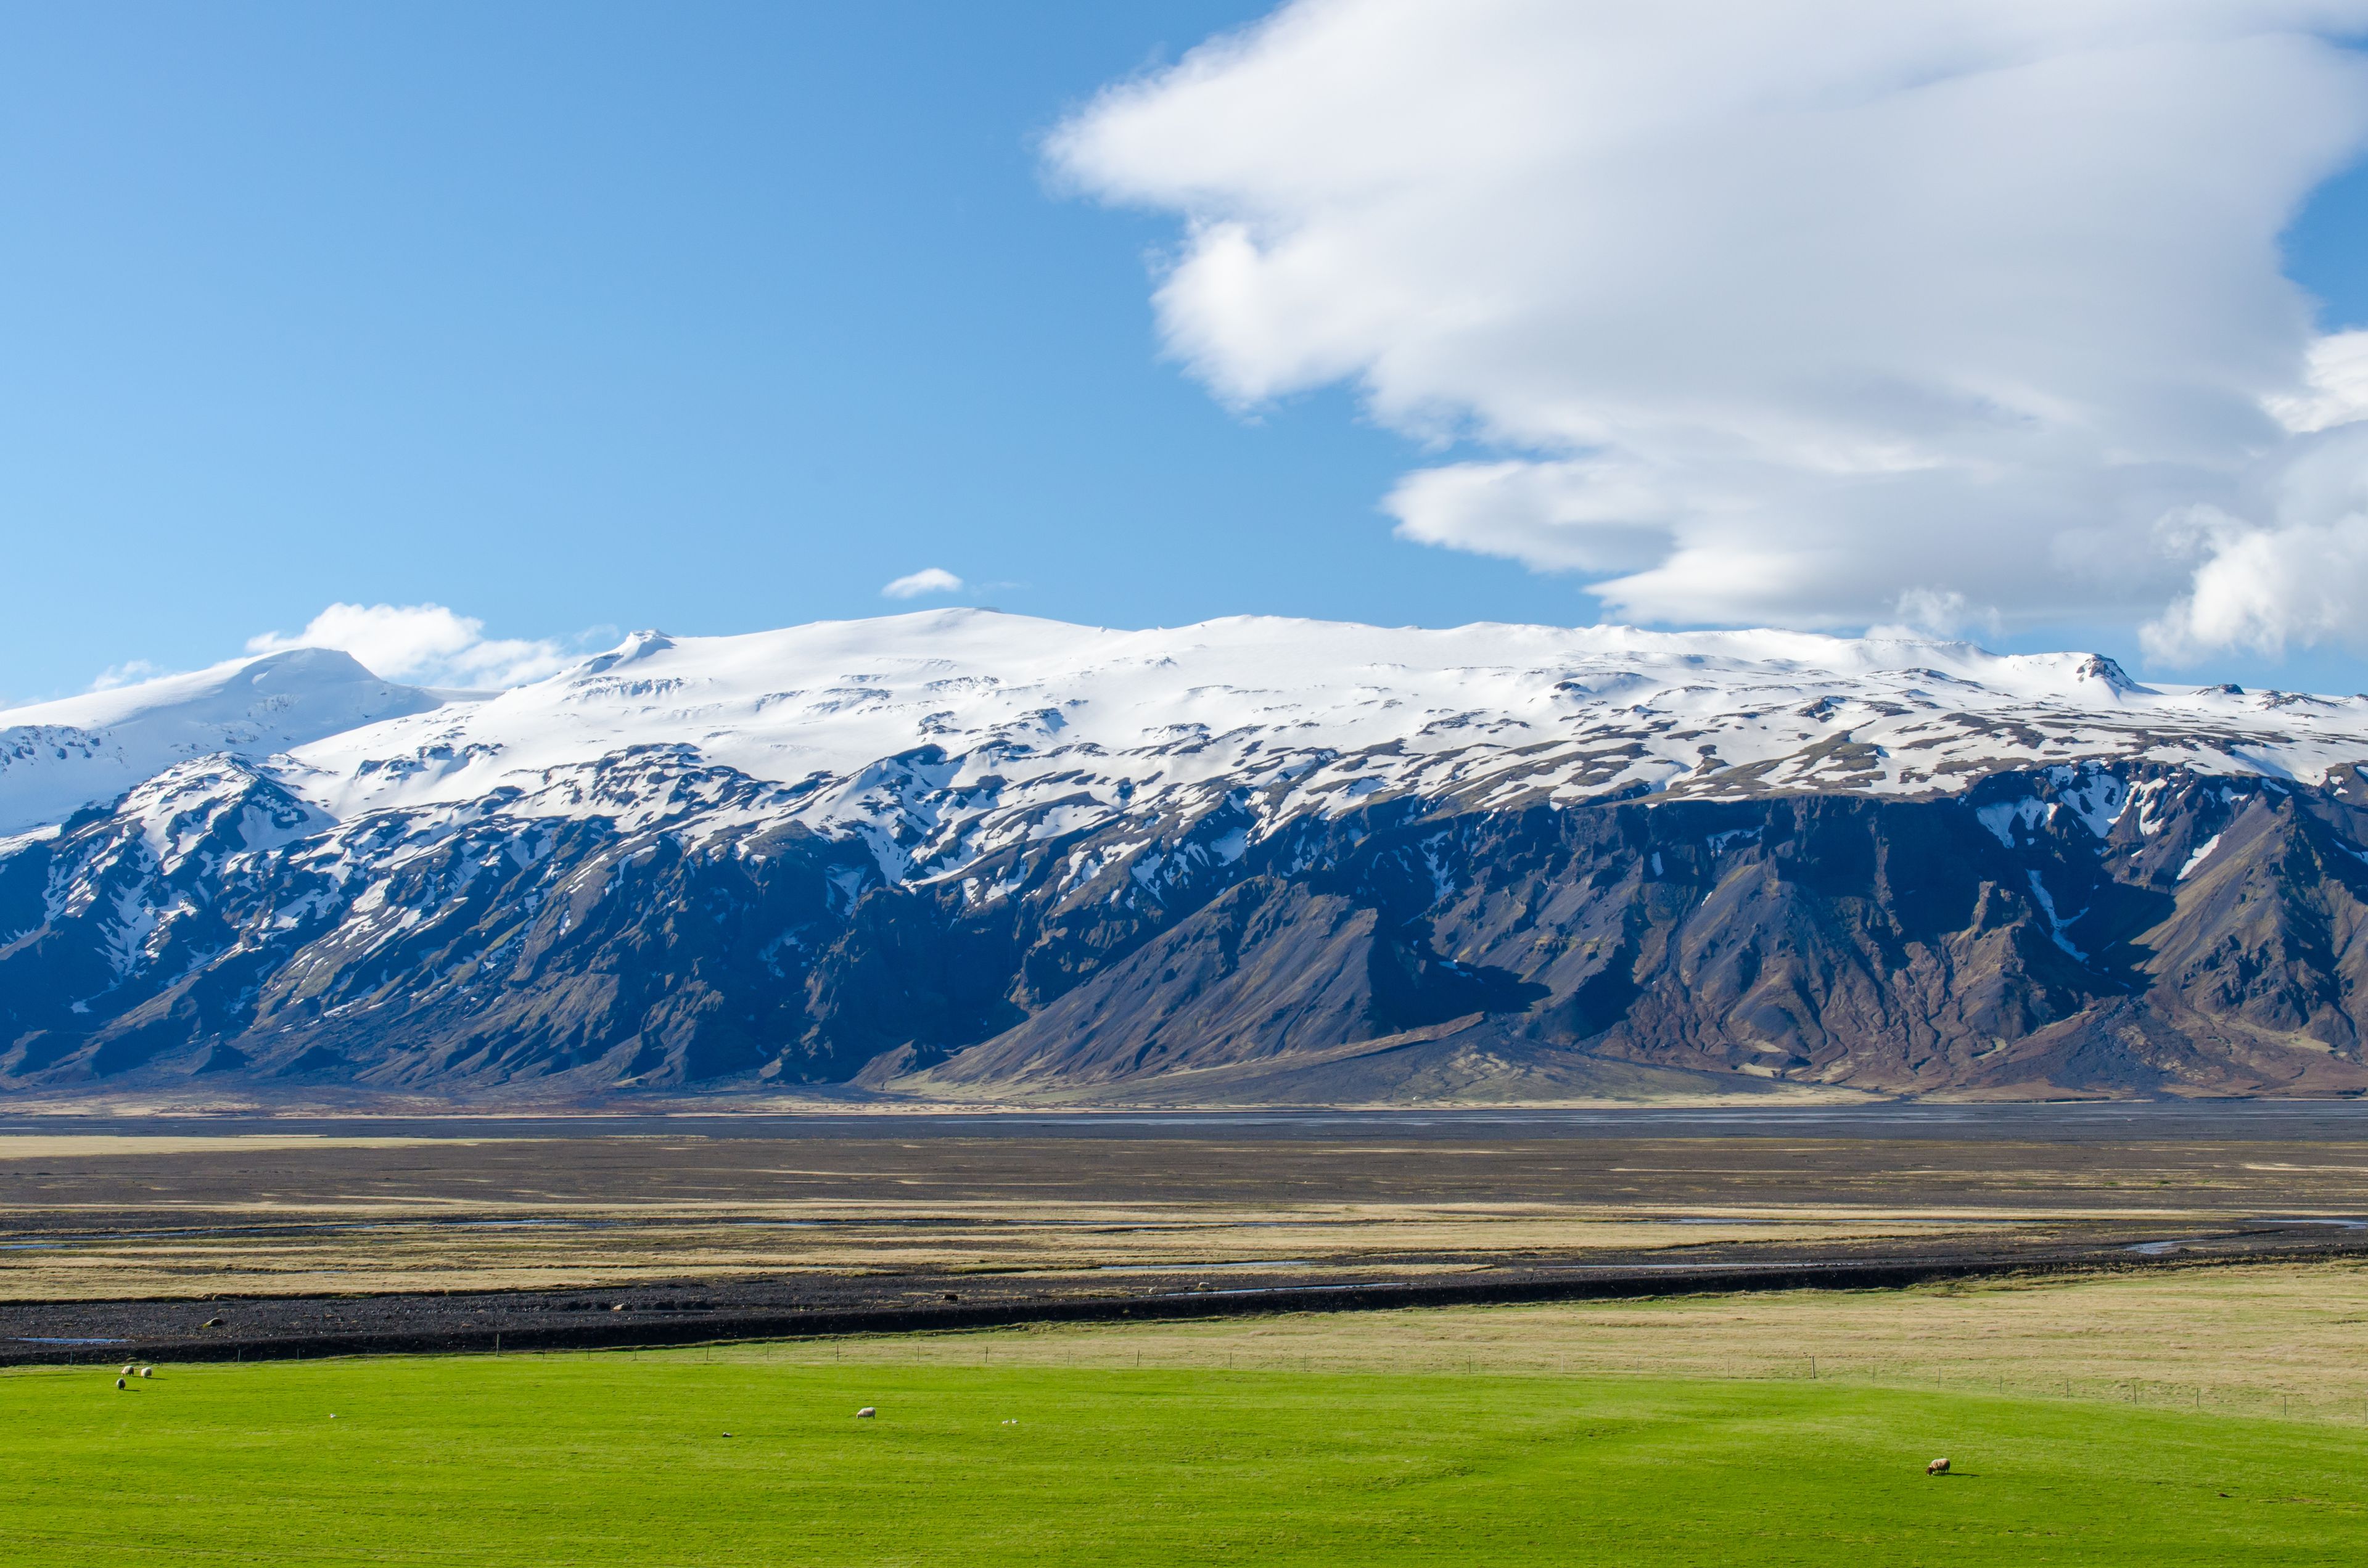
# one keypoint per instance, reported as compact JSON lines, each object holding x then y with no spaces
{"x":2148,"y":796}
{"x":2099,"y":798}
{"x":2196,"y":859}
{"x":2056,"y":924}
{"x":2000,"y":819}
{"x":127,"y":933}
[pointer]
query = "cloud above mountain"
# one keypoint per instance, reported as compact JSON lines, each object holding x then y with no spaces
{"x":1822,"y":313}
{"x":928,"y":580}
{"x":425,"y":644}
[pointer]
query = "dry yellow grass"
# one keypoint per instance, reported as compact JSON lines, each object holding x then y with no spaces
{"x":101,"y":1216}
{"x":278,"y":1250}
{"x":2281,"y":1338}
{"x":99,"y":1145}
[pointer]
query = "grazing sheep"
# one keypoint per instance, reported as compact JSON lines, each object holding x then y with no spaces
{"x":1938,"y":1467}
{"x":866,"y":1413}
{"x":147,"y":1371}
{"x":126,"y":1371}
{"x":122,"y":1384}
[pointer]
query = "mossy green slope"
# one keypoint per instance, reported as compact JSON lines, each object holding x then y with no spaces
{"x":611,"y":1460}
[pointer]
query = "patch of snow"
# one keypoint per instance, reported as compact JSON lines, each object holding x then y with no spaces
{"x":847,"y":886}
{"x":2148,"y":796}
{"x":2055,"y":923}
{"x":2196,"y":859}
{"x":127,"y":932}
{"x":1063,"y":820}
{"x":2000,"y":819}
{"x":2095,"y":795}
{"x":14,"y":842}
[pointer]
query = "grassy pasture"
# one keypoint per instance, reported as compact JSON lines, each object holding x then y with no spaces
{"x":618,"y":1459}
{"x":2249,"y":1339}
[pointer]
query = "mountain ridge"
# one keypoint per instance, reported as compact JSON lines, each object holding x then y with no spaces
{"x":57,"y":757}
{"x":961,"y":855}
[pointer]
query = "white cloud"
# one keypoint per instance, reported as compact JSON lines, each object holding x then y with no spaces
{"x":928,"y":580}
{"x":2261,"y":588}
{"x":132,"y":672}
{"x":1795,"y":312}
{"x":1923,"y":613}
{"x":2338,"y":382}
{"x":423,"y":644}
{"x":2303,"y":579}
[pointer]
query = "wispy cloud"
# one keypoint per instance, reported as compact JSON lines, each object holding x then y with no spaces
{"x":425,"y":644}
{"x":132,"y":672}
{"x":928,"y":580}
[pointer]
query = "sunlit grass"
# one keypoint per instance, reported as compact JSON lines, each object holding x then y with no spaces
{"x":616,"y":1459}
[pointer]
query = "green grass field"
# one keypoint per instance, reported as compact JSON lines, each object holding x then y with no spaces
{"x":614,"y":1460}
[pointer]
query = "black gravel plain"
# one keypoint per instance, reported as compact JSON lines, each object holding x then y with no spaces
{"x":693,"y":1311}
{"x":2156,"y":1186}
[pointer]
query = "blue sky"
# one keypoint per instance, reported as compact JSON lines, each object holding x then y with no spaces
{"x":710,"y":317}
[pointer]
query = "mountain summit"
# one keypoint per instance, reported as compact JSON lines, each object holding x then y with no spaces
{"x":59,"y":758}
{"x":970,"y":854}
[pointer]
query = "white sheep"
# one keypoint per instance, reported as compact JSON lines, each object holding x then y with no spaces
{"x":1938,"y":1467}
{"x":122,"y":1384}
{"x":866,"y":1413}
{"x":147,"y":1371}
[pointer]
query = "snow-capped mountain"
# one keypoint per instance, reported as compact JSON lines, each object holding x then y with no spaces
{"x":972,"y":853}
{"x":59,"y":758}
{"x":953,"y":725}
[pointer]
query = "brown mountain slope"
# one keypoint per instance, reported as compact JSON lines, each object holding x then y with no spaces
{"x":2133,"y":929}
{"x":2206,"y":942}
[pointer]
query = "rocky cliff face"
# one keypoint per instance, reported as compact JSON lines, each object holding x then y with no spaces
{"x":2121,"y":928}
{"x":2064,"y":930}
{"x":974,"y":856}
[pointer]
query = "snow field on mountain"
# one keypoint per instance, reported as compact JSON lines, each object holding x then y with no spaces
{"x":57,"y":757}
{"x":942,"y":736}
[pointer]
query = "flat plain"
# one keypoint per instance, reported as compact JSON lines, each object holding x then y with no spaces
{"x":2203,"y":1399}
{"x":758,"y":1457}
{"x":1054,"y":1206}
{"x":424,"y":1233}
